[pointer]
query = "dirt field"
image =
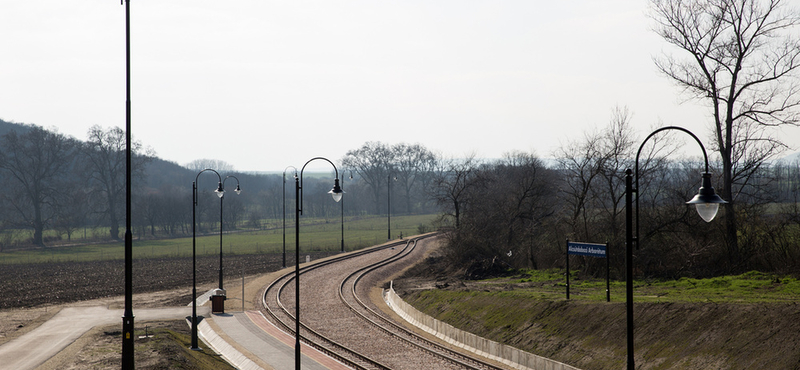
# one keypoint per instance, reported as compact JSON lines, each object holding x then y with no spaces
{"x":34,"y":285}
{"x":34,"y":293}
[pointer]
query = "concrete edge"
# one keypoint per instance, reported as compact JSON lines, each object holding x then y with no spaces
{"x":510,"y":356}
{"x":224,"y":349}
{"x":203,"y":298}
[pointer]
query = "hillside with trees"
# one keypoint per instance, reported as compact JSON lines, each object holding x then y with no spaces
{"x":514,"y":212}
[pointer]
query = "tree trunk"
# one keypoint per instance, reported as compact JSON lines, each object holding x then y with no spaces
{"x":731,"y":225}
{"x":38,"y":225}
{"x":113,"y":222}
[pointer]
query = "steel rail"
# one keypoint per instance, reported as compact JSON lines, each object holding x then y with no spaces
{"x":406,"y":335}
{"x":287,"y":278}
{"x":346,"y":355}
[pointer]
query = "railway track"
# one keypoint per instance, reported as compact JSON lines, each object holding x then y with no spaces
{"x":336,"y":320}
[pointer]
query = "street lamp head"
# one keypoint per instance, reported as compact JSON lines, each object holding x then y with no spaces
{"x":238,"y":189}
{"x":337,"y":191}
{"x":220,"y":192}
{"x":707,"y":201}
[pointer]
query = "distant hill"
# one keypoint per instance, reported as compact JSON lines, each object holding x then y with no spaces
{"x":791,"y":158}
{"x":6,"y":127}
{"x":161,"y":173}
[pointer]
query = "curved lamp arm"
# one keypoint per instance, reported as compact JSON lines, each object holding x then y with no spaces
{"x":284,"y":172}
{"x":706,"y":201}
{"x":238,"y":190}
{"x":220,"y":191}
{"x":336,"y":192}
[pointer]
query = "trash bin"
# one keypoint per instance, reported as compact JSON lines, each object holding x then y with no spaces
{"x":218,"y":301}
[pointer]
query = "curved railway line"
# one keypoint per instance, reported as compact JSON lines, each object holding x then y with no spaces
{"x":340,"y":323}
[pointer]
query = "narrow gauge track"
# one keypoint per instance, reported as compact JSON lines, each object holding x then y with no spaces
{"x":341,"y":331}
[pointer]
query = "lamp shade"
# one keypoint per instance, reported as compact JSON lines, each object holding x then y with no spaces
{"x":220,"y":192}
{"x":238,"y":189}
{"x":707,"y":201}
{"x":337,"y":191}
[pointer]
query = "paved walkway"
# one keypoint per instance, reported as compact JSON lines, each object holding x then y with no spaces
{"x":38,"y":345}
{"x":246,"y":339}
{"x":254,"y":338}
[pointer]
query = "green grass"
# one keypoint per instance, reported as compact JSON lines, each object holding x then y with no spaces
{"x":315,"y":235}
{"x":696,"y":321}
{"x":751,"y":287}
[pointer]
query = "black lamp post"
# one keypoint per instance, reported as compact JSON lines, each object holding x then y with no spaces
{"x":389,"y":205}
{"x":342,"y":204}
{"x":221,"y":198}
{"x":220,"y":193}
{"x":336,"y":193}
{"x":127,"y":316}
{"x":284,"y":211}
{"x":706,"y":202}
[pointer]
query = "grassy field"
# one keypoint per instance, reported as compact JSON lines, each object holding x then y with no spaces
{"x":751,"y":287}
{"x":315,"y":235}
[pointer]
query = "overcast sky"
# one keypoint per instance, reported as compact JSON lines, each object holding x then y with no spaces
{"x":268,"y":84}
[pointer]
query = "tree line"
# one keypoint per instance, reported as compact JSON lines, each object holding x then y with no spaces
{"x":516,"y":211}
{"x":519,"y":211}
{"x":59,"y":187}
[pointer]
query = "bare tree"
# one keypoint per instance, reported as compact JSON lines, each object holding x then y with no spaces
{"x":581,"y":164}
{"x":742,"y":59}
{"x":451,"y":185}
{"x":500,"y":208}
{"x":39,"y":162}
{"x":105,"y":151}
{"x":615,"y":147}
{"x":73,"y":211}
{"x":372,"y":163}
{"x":411,"y":163}
{"x":198,"y":165}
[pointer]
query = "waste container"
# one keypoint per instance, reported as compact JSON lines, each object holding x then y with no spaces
{"x":218,"y":301}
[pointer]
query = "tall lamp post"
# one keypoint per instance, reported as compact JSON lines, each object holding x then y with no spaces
{"x":221,"y":198}
{"x":220,"y":193}
{"x":389,"y":205}
{"x":336,"y":193}
{"x":284,"y":211}
{"x":127,"y":316}
{"x":706,"y":202}
{"x":342,"y":203}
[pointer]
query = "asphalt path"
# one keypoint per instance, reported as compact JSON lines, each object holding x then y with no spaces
{"x":250,"y":342}
{"x":42,"y":343}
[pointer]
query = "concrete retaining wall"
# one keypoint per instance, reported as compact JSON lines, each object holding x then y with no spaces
{"x":508,"y":355}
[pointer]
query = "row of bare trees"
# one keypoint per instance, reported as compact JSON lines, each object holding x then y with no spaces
{"x":515,"y":211}
{"x":401,"y":171}
{"x":518,"y":211}
{"x":57,"y":186}
{"x":56,"y":181}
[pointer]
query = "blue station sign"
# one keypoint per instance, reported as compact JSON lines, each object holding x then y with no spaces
{"x":587,"y":249}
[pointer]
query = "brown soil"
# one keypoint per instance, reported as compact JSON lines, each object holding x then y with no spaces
{"x":593,"y":335}
{"x":35,"y":285}
{"x":33,"y":293}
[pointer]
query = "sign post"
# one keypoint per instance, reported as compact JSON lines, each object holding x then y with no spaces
{"x":590,"y":250}
{"x":567,"y":268}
